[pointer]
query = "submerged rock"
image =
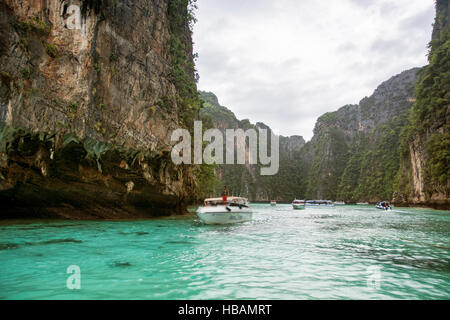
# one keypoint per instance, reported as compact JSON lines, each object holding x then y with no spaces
{"x":120,"y":264}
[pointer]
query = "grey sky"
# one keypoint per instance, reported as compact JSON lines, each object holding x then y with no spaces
{"x":286,"y":62}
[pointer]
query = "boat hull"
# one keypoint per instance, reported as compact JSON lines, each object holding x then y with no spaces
{"x":220,"y":215}
{"x":320,"y":205}
{"x":383,"y":208}
{"x":299,"y":206}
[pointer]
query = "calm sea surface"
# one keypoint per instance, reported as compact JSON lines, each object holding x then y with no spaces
{"x":346,"y":252}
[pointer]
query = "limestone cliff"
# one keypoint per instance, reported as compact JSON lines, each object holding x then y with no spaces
{"x":246,"y":180}
{"x":424,"y":176}
{"x":88,"y":99}
{"x":354,"y":153}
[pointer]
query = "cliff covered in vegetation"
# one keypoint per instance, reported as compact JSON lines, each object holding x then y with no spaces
{"x":245,"y":180}
{"x":353,"y":156}
{"x":354,"y":153}
{"x":424,"y":176}
{"x":90,"y":92}
{"x":393,"y":145}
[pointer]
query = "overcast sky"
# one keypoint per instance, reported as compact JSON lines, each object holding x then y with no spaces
{"x":286,"y":62}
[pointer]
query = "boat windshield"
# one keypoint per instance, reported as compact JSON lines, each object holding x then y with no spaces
{"x":232,"y":201}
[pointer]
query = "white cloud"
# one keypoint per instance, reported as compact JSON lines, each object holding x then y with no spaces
{"x":286,"y":62}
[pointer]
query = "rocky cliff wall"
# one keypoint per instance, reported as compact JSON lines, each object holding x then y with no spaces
{"x":246,"y":180}
{"x":354,"y":153}
{"x":424,"y":175}
{"x":88,"y":102}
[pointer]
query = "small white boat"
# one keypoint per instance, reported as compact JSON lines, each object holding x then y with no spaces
{"x":383,"y":205}
{"x":339,"y":203}
{"x":273,"y":203}
{"x":319,"y":203}
{"x":362,"y":203}
{"x":298,"y":204}
{"x":215,"y":211}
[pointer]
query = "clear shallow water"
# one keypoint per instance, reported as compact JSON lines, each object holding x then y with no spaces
{"x":319,"y":253}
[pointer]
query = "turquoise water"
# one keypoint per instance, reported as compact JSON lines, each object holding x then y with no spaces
{"x":349,"y":252}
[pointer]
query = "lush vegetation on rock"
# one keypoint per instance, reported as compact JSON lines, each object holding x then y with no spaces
{"x":184,"y":77}
{"x":245,"y":180}
{"x":330,"y":156}
{"x":429,"y":122}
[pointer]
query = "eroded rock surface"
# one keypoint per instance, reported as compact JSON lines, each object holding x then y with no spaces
{"x":87,"y":112}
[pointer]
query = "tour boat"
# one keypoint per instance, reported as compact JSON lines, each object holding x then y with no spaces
{"x":319,"y":203}
{"x":383,"y":205}
{"x":273,"y":203}
{"x":298,"y":204}
{"x":234,"y":210}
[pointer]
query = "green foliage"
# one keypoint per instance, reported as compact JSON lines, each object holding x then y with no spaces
{"x":98,"y":126}
{"x":34,"y":24}
{"x":329,"y":117}
{"x":52,"y":51}
{"x":349,"y":182}
{"x":26,"y":73}
{"x":432,"y":90}
{"x":23,"y":44}
{"x":380,"y":163}
{"x":73,"y":108}
{"x":95,"y":149}
{"x":330,"y":155}
{"x":21,"y":140}
{"x":430,"y":120}
{"x":183,"y":73}
{"x":165,"y":103}
{"x":207,"y":181}
{"x":243,"y":180}
{"x":184,"y":76}
{"x":212,"y":109}
{"x":97,"y":67}
{"x":438,"y":149}
{"x":370,"y":173}
{"x":113,"y":57}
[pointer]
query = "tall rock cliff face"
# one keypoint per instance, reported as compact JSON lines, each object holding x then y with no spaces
{"x":89,"y":98}
{"x":442,"y":21}
{"x":246,"y":180}
{"x":424,"y":176}
{"x":354,"y":153}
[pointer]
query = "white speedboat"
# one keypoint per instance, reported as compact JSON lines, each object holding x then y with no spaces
{"x":273,"y":203}
{"x":215,"y":211}
{"x":319,"y":203}
{"x":384,"y":205}
{"x":339,"y":203}
{"x":298,"y":204}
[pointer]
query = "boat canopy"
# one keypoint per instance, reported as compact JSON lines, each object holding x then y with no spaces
{"x":237,"y":200}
